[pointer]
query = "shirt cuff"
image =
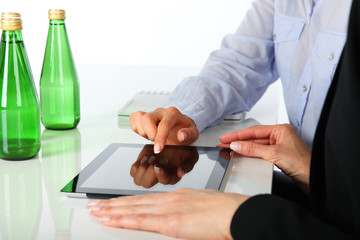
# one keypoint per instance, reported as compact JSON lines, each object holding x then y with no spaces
{"x":193,"y":111}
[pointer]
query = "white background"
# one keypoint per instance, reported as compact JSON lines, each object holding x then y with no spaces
{"x":133,"y":32}
{"x":141,"y":32}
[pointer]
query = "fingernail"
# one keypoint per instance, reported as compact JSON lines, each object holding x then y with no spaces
{"x":106,"y":219}
{"x":183,"y":136}
{"x":95,"y":209}
{"x":143,"y":160}
{"x":151,"y":160}
{"x":236,"y":146}
{"x":157,"y":147}
{"x":93,"y":203}
{"x":156,"y":169}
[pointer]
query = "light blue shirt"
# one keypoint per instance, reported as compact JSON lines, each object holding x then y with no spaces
{"x":292,"y":40}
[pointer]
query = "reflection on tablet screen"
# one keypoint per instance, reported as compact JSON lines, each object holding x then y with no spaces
{"x":129,"y":169}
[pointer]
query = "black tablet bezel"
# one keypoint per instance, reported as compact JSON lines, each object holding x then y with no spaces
{"x":73,"y":189}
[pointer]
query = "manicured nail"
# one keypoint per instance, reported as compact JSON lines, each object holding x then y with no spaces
{"x":236,"y":146}
{"x":156,"y":169}
{"x":184,"y":136}
{"x":93,"y":203}
{"x":151,"y":160}
{"x":95,"y":209}
{"x":106,"y":219}
{"x":157,"y":147}
{"x":143,"y":160}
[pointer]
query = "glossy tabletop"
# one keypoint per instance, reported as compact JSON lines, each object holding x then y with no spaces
{"x":31,"y":205}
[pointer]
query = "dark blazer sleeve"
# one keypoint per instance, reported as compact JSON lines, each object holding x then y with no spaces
{"x":334,"y":171}
{"x":271,"y":217}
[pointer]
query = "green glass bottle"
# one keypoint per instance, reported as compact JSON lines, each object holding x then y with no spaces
{"x":19,"y":104}
{"x":59,"y":85}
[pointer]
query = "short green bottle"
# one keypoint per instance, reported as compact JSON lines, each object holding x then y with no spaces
{"x":19,"y":104}
{"x":59,"y":85}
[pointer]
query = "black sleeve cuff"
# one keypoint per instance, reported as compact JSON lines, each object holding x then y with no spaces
{"x":268,"y":217}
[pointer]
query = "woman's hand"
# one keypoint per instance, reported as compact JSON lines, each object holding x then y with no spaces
{"x":278,"y":144}
{"x":164,"y":125}
{"x":185,"y":213}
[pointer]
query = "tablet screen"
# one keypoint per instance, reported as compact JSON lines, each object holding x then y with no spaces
{"x":132,"y":169}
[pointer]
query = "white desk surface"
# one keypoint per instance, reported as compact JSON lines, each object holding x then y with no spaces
{"x":31,"y":206}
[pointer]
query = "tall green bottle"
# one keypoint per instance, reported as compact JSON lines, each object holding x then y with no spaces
{"x":19,"y":104}
{"x":59,"y":85}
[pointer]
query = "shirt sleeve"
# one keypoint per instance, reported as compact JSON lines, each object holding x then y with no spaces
{"x":234,"y":76}
{"x":271,"y":217}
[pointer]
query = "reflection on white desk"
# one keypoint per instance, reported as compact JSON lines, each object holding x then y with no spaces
{"x":31,"y":205}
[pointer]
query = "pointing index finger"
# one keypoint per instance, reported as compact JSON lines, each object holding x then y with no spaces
{"x":163,"y":131}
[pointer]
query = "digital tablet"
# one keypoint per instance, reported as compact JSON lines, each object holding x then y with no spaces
{"x":133,"y":169}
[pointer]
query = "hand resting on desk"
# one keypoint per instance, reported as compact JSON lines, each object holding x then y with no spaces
{"x":185,"y":213}
{"x":278,"y":144}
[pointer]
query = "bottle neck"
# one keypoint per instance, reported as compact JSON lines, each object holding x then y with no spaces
{"x":12,"y":36}
{"x":57,"y":22}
